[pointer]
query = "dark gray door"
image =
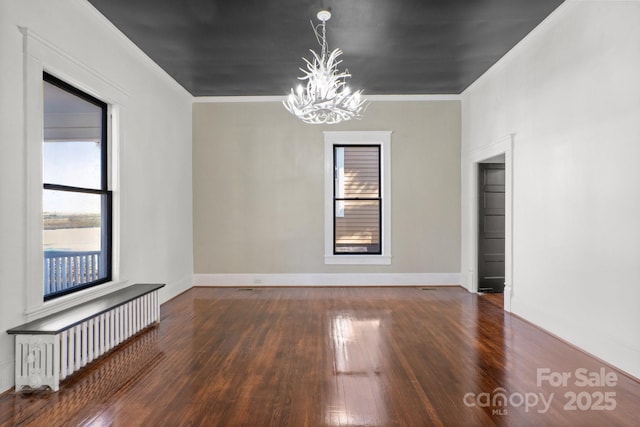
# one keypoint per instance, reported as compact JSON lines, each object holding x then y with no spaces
{"x":491,"y":227}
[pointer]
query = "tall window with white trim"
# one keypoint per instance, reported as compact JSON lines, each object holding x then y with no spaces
{"x":357,"y":197}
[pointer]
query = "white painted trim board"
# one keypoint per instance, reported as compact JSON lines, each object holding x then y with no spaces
{"x":328,"y":279}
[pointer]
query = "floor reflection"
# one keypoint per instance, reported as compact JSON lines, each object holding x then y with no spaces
{"x":123,"y":366}
{"x":356,"y":395}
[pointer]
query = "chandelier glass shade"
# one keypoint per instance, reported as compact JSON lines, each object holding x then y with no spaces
{"x":325,"y":97}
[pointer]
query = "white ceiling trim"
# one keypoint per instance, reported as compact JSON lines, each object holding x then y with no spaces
{"x":372,"y":98}
{"x":129,"y":44}
{"x":526,"y":41}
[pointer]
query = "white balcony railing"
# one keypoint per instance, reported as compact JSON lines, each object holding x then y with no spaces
{"x":68,"y":269}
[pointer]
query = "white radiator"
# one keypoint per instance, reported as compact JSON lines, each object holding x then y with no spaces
{"x":45,"y":360}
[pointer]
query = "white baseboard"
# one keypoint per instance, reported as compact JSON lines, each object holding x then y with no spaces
{"x":597,"y":343}
{"x":7,"y":375}
{"x":328,"y":279}
{"x":175,"y":288}
{"x":507,"y":298}
{"x":466,"y":281}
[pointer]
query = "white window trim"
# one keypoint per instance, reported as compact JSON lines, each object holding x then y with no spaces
{"x":382,"y":138}
{"x":39,"y":56}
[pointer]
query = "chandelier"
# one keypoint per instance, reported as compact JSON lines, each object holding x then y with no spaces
{"x":325,"y":98}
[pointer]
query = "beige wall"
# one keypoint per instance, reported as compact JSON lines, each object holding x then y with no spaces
{"x":259,"y":195}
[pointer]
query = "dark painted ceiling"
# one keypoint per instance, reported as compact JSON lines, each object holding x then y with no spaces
{"x":255,"y":47}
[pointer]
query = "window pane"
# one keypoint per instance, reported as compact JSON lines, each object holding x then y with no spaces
{"x":75,"y":164}
{"x":339,"y":178}
{"x":72,"y":151}
{"x":74,"y":249}
{"x":358,"y":231}
{"x":357,"y":172}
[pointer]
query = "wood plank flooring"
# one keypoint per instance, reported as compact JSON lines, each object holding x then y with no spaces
{"x":334,"y":357}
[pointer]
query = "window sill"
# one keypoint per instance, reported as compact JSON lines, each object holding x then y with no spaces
{"x":358,"y":259}
{"x":71,"y":300}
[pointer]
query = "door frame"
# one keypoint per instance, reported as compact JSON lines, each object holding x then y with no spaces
{"x":490,"y":164}
{"x":503,"y":146}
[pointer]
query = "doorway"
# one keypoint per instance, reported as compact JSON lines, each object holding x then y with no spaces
{"x":491,"y":226}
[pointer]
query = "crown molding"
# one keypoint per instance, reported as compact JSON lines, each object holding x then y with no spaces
{"x":126,"y":41}
{"x":543,"y":26}
{"x":370,"y":98}
{"x":231,"y":99}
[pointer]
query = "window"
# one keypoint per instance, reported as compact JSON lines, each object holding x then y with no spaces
{"x":76,"y":198}
{"x":357,"y":201}
{"x":357,"y":198}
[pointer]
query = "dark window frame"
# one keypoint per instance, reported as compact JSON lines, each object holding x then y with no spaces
{"x":107,"y":200}
{"x":378,"y":199}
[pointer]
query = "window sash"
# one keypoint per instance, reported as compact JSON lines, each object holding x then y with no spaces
{"x":104,"y":175}
{"x":365,"y":239}
{"x":78,"y":267}
{"x":75,"y":258}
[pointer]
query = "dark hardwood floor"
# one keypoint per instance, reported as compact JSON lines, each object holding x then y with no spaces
{"x":336,"y":357}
